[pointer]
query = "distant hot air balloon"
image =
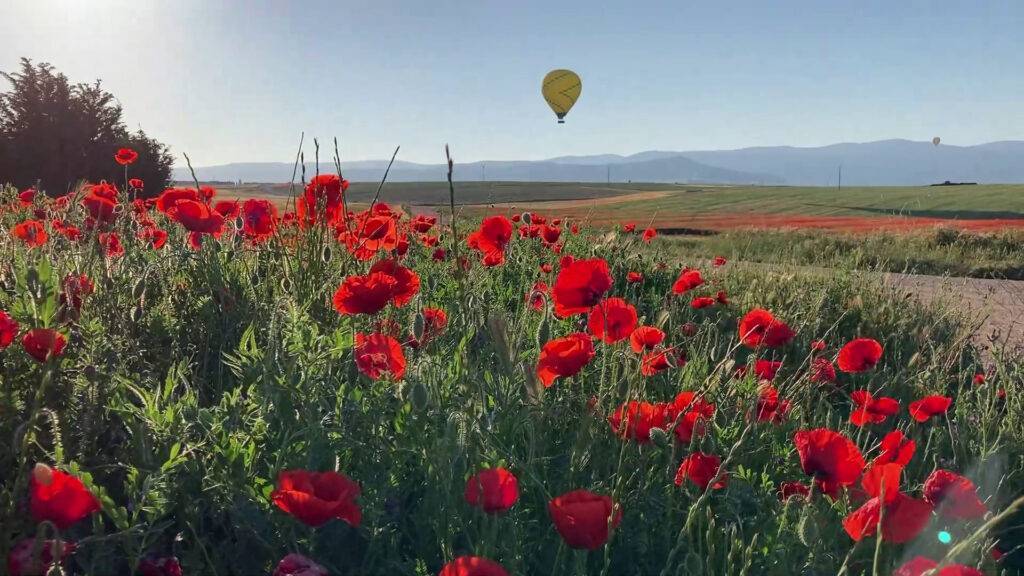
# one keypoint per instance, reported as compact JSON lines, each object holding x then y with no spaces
{"x":936,"y":140}
{"x":561,"y":88}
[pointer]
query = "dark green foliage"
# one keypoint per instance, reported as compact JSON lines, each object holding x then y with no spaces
{"x":55,"y":134}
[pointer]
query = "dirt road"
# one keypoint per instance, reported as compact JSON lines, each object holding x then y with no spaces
{"x":997,"y":306}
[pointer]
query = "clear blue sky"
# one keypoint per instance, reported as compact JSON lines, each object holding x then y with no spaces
{"x":232,"y":81}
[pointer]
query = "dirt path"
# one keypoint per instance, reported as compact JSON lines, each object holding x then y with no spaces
{"x":997,"y":306}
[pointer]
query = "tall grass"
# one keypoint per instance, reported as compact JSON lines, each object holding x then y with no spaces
{"x":941,"y":251}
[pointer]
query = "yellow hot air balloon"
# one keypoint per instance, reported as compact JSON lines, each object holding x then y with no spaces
{"x":561,"y":88}
{"x":936,"y":140}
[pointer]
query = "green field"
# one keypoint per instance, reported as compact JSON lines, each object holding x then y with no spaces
{"x":964,"y":202}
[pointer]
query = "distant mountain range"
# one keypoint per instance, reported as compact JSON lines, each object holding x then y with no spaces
{"x":885,"y":162}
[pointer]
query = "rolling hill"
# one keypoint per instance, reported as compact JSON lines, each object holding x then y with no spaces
{"x":881,"y":163}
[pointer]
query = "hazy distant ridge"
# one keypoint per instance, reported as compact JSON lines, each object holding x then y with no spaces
{"x":886,"y":162}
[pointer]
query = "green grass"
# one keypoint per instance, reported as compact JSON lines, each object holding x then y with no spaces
{"x":941,"y":251}
{"x":964,"y":202}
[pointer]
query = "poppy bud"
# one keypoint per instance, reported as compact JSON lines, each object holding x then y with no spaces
{"x":527,"y":217}
{"x":660,"y":437}
{"x":419,"y":326}
{"x":286,"y":285}
{"x":139,"y":289}
{"x":326,"y":254}
{"x":32,"y":280}
{"x":543,"y":331}
{"x":137,"y":314}
{"x":808,"y":529}
{"x":43,"y":474}
{"x":418,"y":396}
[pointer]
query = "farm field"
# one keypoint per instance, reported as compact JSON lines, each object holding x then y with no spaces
{"x":667,"y":206}
{"x":387,"y":394}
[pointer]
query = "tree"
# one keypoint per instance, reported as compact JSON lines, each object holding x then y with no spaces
{"x":55,"y":134}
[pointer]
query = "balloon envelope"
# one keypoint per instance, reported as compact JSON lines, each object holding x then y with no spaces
{"x":936,"y":140}
{"x":561,"y":88}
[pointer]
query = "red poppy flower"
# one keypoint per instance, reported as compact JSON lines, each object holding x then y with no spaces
{"x":701,"y":469}
{"x":655,"y":361}
{"x":896,"y":449}
{"x":979,"y":379}
{"x":760,"y":328}
{"x":321,"y":202}
{"x":100,"y":208}
{"x":629,"y":227}
{"x":229,"y":209}
{"x":75,"y":288}
{"x":535,"y":296}
{"x":438,"y":255}
{"x":491,"y":238}
{"x":171,"y":196}
{"x":407,"y":282}
{"x":43,"y":343}
{"x":702,"y":302}
{"x":566,"y":261}
{"x":919,"y":566}
{"x":8,"y":329}
{"x":166,"y":566}
{"x":690,"y":415}
{"x":634,"y":420}
{"x":423,"y":223}
{"x":378,"y":354}
{"x":575,"y":228}
{"x":580,"y":286}
{"x":688,"y":280}
{"x":315,"y":498}
{"x":582,"y":518}
{"x":298,"y":565}
{"x":769,"y":408}
{"x":859,"y":355}
{"x":59,"y":498}
{"x":111,"y":244}
{"x":25,"y":559}
{"x":434,"y":322}
{"x":831,"y":458}
{"x":493,"y":490}
{"x":375,"y":232}
{"x":546,"y":268}
{"x":923,"y":409}
{"x":27,"y":196}
{"x":126,"y":156}
{"x":196,"y":216}
{"x":136,"y":183}
{"x":564,"y":357}
{"x":722,"y":298}
{"x":789,"y":489}
{"x":31,"y":232}
{"x":822,"y":370}
{"x":645,"y":338}
{"x":634,"y":277}
{"x":367,"y":294}
{"x":550,"y":234}
{"x":902,"y":521}
{"x":718,"y":261}
{"x":953,"y":496}
{"x":472,"y":566}
{"x":765,"y":370}
{"x":612,"y":320}
{"x":870,"y":409}
{"x":649,"y":235}
{"x":154,"y":237}
{"x":259,"y":219}
{"x":818,"y":345}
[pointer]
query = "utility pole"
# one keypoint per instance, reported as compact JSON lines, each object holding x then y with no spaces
{"x":840,"y":188}
{"x":483,"y":171}
{"x":608,"y":177}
